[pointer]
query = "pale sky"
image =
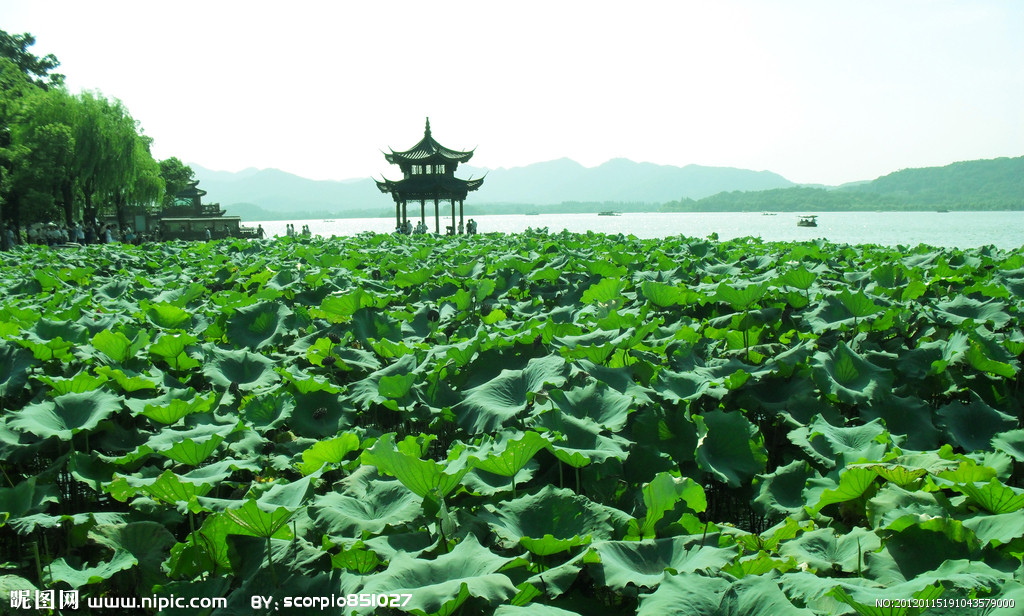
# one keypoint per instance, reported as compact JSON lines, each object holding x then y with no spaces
{"x":820,"y":92}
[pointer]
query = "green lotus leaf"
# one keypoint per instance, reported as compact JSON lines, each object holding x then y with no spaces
{"x":859,"y":304}
{"x":962,"y":308}
{"x":9,"y":583}
{"x":926,"y":545}
{"x":740,"y":297}
{"x":596,"y":401}
{"x":582,"y":441}
{"x":259,"y":325}
{"x":508,"y":455}
{"x":1011,"y":443}
{"x":644,"y":563}
{"x":117,"y":346}
{"x":993,"y":497}
{"x":661,"y":495}
{"x":167,"y":487}
{"x":532,"y":609}
{"x":60,"y":571}
{"x":356,"y":558}
{"x":729,"y":447}
{"x":203,"y":551}
{"x":247,"y":370}
{"x":978,"y":357}
{"x":781,"y":491}
{"x":367,"y":391}
{"x":552,"y":520}
{"x":66,"y":415}
{"x":128,"y":382}
{"x":896,"y":508}
{"x":331,"y":451}
{"x":27,"y":497}
{"x":798,"y":277}
{"x":413,"y":278}
{"x":996,"y":529}
{"x":972,"y":425}
{"x":666,"y":295}
{"x":386,"y":504}
{"x":174,"y":405}
{"x":147,"y":541}
{"x":680,"y":386}
{"x":693,"y":594}
{"x":191,"y":446}
{"x":824,"y":551}
{"x":15,"y":363}
{"x":268,"y":411}
{"x":252,"y":520}
{"x":853,"y":482}
{"x":396,"y":386}
{"x":426,"y":478}
{"x":908,"y":417}
{"x":171,"y":347}
{"x":849,"y":377}
{"x":605,"y":291}
{"x":487,"y":407}
{"x":865,"y":600}
{"x":167,"y":316}
{"x":442,"y":584}
{"x":834,"y":446}
{"x":80,"y":383}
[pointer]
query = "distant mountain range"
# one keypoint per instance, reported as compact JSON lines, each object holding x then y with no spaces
{"x":267,"y":194}
{"x":564,"y":185}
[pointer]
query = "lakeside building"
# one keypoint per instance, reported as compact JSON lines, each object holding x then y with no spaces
{"x":428,"y":174}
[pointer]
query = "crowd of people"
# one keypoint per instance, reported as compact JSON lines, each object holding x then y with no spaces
{"x":406,"y":228}
{"x":56,"y":234}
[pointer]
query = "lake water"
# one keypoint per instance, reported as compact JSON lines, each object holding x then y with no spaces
{"x":953,"y":229}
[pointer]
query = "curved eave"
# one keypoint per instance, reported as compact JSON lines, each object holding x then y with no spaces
{"x":428,"y":148}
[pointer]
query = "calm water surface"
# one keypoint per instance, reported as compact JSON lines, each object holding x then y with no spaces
{"x":953,"y":229}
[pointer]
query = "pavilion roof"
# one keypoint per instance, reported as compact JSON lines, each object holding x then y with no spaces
{"x":429,"y":186}
{"x":428,"y":149}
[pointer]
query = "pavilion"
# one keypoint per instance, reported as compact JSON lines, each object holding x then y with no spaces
{"x":428,"y":174}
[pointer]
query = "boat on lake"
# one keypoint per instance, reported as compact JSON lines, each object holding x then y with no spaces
{"x":610,"y":213}
{"x":810,"y":220}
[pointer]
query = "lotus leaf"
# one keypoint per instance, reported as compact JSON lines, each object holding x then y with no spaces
{"x":645,"y":563}
{"x":729,"y":447}
{"x":442,"y":584}
{"x":386,"y":504}
{"x":66,"y":415}
{"x":972,"y":425}
{"x":503,"y":398}
{"x":60,"y":571}
{"x":553,"y":520}
{"x":258,"y":325}
{"x":247,"y":370}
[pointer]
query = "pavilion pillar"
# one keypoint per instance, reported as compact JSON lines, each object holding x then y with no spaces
{"x":405,"y":213}
{"x":453,"y":216}
{"x":423,"y":211}
{"x":462,"y":222}
{"x":437,"y":217}
{"x":398,"y":214}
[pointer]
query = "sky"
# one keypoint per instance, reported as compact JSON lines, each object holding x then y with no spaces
{"x":819,"y":92}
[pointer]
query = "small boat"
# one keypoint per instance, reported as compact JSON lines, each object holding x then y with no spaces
{"x":767,"y":213}
{"x":332,"y":220}
{"x":807,"y":221}
{"x":609,"y":213}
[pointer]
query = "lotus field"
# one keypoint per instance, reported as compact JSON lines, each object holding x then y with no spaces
{"x":541,"y":424}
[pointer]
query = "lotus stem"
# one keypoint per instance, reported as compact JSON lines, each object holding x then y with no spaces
{"x":270,"y":563}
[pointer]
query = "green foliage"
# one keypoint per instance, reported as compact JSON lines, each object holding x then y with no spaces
{"x":560,"y":424}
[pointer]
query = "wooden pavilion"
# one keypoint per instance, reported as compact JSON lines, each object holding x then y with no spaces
{"x":428,"y":174}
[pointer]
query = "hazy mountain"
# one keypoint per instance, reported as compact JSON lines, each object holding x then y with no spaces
{"x":271,"y":193}
{"x":996,"y":184}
